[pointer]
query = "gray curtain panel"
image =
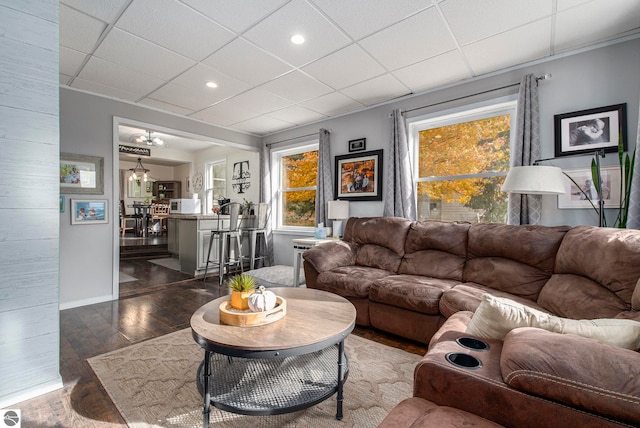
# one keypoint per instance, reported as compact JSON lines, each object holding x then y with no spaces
{"x":525,"y":209}
{"x":633,"y":221}
{"x":266,"y":197}
{"x":324,"y":184}
{"x":399,"y":192}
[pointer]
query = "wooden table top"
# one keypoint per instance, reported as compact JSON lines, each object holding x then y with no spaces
{"x":314,"y":319}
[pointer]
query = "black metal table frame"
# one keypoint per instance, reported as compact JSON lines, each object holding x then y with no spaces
{"x":210,"y":348}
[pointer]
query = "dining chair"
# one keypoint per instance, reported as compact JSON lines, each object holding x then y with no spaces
{"x":223,"y":236}
{"x":159,"y":214}
{"x":124,"y":219}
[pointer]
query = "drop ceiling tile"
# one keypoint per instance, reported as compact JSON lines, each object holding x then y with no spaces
{"x":440,"y":70}
{"x":297,"y":17}
{"x":259,"y":101}
{"x":332,"y":104}
{"x":235,"y":15}
{"x":165,"y":106}
{"x":505,"y":49}
{"x":196,"y":78}
{"x":225,"y":114}
{"x":246,"y":62}
{"x":595,"y":22}
{"x":116,"y":76}
{"x":360,"y":18}
{"x":106,"y":11}
{"x":344,"y":68}
{"x":297,"y":87}
{"x":262,"y":125}
{"x":64,"y":79}
{"x":174,"y":26}
{"x":376,"y":90}
{"x":126,"y":49}
{"x":79,"y":31}
{"x":188,"y":98}
{"x":410,"y":41}
{"x":70,"y":60}
{"x":462,"y":16}
{"x":103,"y":90}
{"x":297,"y":115}
{"x":567,"y":4}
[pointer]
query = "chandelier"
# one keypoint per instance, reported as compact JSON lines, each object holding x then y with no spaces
{"x":146,"y":139}
{"x":139,"y":169}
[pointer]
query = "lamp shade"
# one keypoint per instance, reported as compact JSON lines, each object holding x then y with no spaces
{"x":534,"y":180}
{"x":338,"y":210}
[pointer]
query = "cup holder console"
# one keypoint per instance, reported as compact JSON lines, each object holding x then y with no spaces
{"x":464,"y":361}
{"x":472,"y":343}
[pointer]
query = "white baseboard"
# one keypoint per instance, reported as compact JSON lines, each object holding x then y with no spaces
{"x":84,"y":302}
{"x":28,"y":394}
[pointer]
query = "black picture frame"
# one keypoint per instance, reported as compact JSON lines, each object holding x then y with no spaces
{"x":585,"y":131}
{"x":358,"y":145}
{"x":359,"y":177}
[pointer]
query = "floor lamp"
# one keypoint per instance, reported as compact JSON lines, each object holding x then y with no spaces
{"x":548,"y":180}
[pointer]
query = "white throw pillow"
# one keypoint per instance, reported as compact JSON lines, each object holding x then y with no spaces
{"x":496,"y":316}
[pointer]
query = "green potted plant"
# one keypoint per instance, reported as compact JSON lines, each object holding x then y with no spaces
{"x":241,"y":286}
{"x":247,"y":207}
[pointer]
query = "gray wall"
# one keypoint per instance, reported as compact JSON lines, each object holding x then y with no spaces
{"x":29,"y":324}
{"x":88,"y":254}
{"x":594,"y":78}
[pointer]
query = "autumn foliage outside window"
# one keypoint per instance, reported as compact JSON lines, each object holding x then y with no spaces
{"x":461,"y":168}
{"x":298,"y":203}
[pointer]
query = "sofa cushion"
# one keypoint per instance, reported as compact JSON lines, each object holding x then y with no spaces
{"x":574,"y":371}
{"x":436,"y":249}
{"x":350,"y":281}
{"x":387,"y":232}
{"x":415,"y":293}
{"x":378,"y":257}
{"x":495,"y":317}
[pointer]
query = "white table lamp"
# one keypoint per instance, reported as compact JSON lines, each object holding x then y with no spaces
{"x":337,"y":211}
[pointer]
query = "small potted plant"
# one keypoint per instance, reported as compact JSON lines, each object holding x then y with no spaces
{"x":247,"y":207}
{"x":242,"y":286}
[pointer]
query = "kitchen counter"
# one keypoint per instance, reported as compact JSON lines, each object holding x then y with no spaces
{"x":199,"y":216}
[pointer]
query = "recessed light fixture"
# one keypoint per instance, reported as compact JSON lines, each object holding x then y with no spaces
{"x":297,"y":39}
{"x":212,"y":84}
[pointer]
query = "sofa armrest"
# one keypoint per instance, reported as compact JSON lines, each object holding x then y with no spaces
{"x":573,"y":370}
{"x":331,"y":255}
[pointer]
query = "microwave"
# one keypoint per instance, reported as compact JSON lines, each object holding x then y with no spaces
{"x":184,"y":206}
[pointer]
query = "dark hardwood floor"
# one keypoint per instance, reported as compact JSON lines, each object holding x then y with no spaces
{"x":160,"y":301}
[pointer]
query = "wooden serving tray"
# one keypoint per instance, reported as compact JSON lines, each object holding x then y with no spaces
{"x":231,"y":316}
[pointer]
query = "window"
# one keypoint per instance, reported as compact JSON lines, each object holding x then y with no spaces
{"x":462,"y":160}
{"x":215,"y":183}
{"x":295,"y":175}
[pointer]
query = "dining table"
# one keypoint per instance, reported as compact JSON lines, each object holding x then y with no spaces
{"x":141,"y":213}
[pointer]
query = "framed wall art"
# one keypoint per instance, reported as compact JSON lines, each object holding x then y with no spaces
{"x":359,"y":177}
{"x":358,"y":145}
{"x":61,"y":204}
{"x":575,"y":198}
{"x":588,"y":130}
{"x":89,"y":211}
{"x":81,"y":174}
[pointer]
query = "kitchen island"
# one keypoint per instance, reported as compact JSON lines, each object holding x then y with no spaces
{"x":189,"y":236}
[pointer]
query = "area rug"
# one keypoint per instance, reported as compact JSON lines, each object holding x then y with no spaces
{"x":169,"y":262}
{"x":153,"y":385}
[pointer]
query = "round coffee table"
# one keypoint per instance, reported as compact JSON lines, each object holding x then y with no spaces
{"x":284,"y":366}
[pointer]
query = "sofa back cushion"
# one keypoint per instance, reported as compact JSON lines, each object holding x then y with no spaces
{"x":596,"y":273}
{"x":515,"y":259}
{"x":381,"y":240}
{"x":435,"y":249}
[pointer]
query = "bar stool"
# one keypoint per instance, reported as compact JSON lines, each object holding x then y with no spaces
{"x":223,"y":236}
{"x":262,"y":213}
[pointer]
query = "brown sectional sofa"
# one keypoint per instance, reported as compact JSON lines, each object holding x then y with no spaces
{"x":424,"y":280}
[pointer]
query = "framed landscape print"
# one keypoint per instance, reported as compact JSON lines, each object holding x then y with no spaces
{"x":359,"y":177}
{"x":89,"y":211}
{"x":586,"y":131}
{"x":577,"y":197}
{"x":81,"y":174}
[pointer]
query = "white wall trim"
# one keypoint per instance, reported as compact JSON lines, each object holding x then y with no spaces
{"x":84,"y":302}
{"x":31,"y":393}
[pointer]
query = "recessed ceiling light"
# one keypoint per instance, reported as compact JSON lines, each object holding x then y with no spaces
{"x":297,"y":39}
{"x":212,"y":84}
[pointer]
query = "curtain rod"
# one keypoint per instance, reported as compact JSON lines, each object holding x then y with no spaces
{"x":295,"y":138}
{"x":543,"y":77}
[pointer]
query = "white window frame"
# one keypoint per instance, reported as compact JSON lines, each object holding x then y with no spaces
{"x":276,"y":185}
{"x":467,"y":113}
{"x":207,"y":178}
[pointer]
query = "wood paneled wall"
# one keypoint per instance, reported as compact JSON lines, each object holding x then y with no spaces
{"x":29,"y":204}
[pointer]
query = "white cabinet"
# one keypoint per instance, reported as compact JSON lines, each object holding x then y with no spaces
{"x":172,"y":236}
